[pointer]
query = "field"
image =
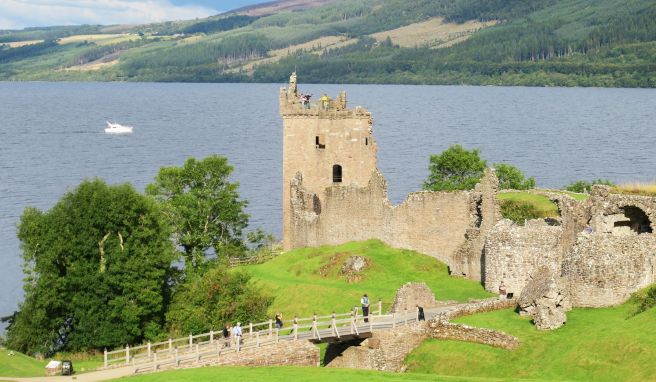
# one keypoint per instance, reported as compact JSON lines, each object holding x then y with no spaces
{"x":19,"y":365}
{"x":595,"y":345}
{"x":307,"y":280}
{"x":433,"y":33}
{"x":647,"y":189}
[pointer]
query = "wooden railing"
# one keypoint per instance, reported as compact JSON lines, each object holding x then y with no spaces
{"x":258,"y":258}
{"x":196,"y":348}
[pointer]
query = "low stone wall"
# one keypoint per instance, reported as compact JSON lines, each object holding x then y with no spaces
{"x":480,"y":306}
{"x":459,"y":332}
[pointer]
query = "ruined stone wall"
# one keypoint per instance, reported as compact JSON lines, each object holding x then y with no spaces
{"x":513,"y":253}
{"x":604,"y":269}
{"x":434,"y":223}
{"x":459,"y":332}
{"x":609,"y":210}
{"x":411,"y":295}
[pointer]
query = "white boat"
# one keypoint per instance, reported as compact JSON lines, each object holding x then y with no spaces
{"x":117,"y":128}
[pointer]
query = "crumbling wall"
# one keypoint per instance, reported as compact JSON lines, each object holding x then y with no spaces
{"x":513,"y":253}
{"x":411,"y":295}
{"x":609,"y":211}
{"x":604,"y":269}
{"x":434,"y":223}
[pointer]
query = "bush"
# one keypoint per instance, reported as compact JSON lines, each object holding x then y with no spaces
{"x":455,"y":169}
{"x":519,"y":212}
{"x":644,"y":300}
{"x":213,"y":299}
{"x":512,"y":178}
{"x":582,"y":186}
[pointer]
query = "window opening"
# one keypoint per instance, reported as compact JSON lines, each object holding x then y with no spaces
{"x":337,"y":174}
{"x":319,"y":143}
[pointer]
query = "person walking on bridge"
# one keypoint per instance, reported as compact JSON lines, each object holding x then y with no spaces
{"x":364,"y":301}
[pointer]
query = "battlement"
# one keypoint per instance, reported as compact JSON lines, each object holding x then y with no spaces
{"x":294,"y":103}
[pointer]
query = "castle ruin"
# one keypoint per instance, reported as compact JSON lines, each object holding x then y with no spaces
{"x":604,"y":247}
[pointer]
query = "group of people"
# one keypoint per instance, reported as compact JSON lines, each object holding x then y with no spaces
{"x":305,"y":99}
{"x":235,"y":332}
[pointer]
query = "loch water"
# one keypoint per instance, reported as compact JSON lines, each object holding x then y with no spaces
{"x":51,"y":138}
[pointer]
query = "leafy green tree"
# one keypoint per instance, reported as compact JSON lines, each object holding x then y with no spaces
{"x":455,"y":169}
{"x":203,"y":207}
{"x":512,"y":178}
{"x":585,"y":186}
{"x":214,"y":298}
{"x":97,"y":269}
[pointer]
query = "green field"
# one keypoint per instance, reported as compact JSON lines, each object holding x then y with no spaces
{"x":287,"y":374}
{"x":19,"y":365}
{"x":307,"y":280}
{"x":594,"y":345}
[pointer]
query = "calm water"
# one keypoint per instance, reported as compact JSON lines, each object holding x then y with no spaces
{"x":51,"y":138}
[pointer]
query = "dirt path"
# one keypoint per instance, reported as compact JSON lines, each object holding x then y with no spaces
{"x":92,"y":376}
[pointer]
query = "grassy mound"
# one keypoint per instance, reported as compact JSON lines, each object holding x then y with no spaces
{"x":286,"y":374}
{"x":19,"y":365}
{"x":309,"y":280}
{"x":594,"y":345}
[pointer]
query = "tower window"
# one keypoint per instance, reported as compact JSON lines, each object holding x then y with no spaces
{"x":337,"y":173}
{"x":319,"y":142}
{"x":366,"y":141}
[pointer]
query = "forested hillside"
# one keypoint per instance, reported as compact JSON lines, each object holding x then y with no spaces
{"x":501,"y":42}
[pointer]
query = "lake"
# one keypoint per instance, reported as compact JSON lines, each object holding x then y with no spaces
{"x":51,"y":138}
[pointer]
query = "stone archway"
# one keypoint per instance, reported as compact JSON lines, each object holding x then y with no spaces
{"x":632,"y":220}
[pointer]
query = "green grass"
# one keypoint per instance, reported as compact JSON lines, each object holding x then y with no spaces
{"x":594,"y":345}
{"x":301,"y":287}
{"x":19,"y":365}
{"x":541,"y":203}
{"x":287,"y":374}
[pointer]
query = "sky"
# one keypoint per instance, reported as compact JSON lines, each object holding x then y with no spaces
{"x":18,"y":14}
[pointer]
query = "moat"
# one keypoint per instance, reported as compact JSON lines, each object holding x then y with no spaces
{"x":51,"y":138}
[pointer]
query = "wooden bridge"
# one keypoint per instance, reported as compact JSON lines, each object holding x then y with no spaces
{"x":203,"y":348}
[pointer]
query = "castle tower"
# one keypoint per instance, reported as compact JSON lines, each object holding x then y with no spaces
{"x":327,"y":143}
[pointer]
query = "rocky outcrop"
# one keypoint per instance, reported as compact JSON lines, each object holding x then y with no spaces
{"x":353,"y":267}
{"x":545,"y":298}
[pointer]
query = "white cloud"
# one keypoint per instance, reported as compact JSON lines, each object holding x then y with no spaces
{"x":25,"y":13}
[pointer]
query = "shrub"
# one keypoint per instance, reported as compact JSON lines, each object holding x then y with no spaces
{"x":581,"y":186}
{"x":644,"y":299}
{"x":512,"y":178}
{"x":519,"y":211}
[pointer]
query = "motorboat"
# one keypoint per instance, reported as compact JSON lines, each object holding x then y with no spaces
{"x":117,"y":128}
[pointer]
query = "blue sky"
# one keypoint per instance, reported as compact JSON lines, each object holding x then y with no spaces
{"x":17,"y":14}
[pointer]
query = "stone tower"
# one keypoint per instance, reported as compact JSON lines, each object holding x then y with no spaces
{"x":328,"y":144}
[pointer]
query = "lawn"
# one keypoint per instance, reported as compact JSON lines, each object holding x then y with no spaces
{"x":19,"y":365}
{"x":308,"y":280}
{"x":544,"y":205}
{"x":594,"y":345}
{"x":287,"y":374}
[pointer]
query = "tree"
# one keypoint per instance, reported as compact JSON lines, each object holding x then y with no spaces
{"x":512,"y":178}
{"x":214,"y":298}
{"x":97,"y":269}
{"x":203,"y":208}
{"x":455,"y":169}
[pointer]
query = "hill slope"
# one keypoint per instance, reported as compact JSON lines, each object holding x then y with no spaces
{"x":308,"y":280}
{"x":517,"y":42}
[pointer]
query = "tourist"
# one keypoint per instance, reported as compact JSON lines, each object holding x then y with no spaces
{"x":365,"y":307}
{"x":502,"y":291}
{"x":324,"y":102}
{"x":307,"y":100}
{"x":236,"y":332}
{"x":278,"y":321}
{"x":587,"y":229}
{"x":226,"y":336}
{"x":420,"y":314}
